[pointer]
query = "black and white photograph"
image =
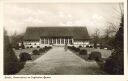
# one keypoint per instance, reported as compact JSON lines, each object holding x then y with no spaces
{"x":63,"y":38}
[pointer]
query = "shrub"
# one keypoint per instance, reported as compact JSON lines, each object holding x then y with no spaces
{"x":41,"y":50}
{"x":113,"y":64}
{"x":38,"y":46}
{"x":77,"y":49}
{"x":91,"y":47}
{"x":16,"y":46}
{"x":80,"y":46}
{"x":27,"y":47}
{"x":50,"y":47}
{"x":95,"y":56}
{"x":35,"y":52}
{"x":22,"y":45}
{"x":31,"y":46}
{"x":24,"y":57}
{"x":45,"y":46}
{"x":87,"y":46}
{"x":83,"y":52}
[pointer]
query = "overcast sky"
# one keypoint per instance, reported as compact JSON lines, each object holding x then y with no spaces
{"x":18,"y":16}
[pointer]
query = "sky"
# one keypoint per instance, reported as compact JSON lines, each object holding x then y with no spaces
{"x":19,"y":16}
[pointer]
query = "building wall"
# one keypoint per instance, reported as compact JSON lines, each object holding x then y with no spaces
{"x":31,"y":43}
{"x":81,"y":43}
{"x":46,"y":43}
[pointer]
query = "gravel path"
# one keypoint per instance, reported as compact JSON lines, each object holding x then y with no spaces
{"x":60,"y":62}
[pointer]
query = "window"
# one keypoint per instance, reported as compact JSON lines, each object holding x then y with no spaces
{"x":46,"y":41}
{"x":54,"y":41}
{"x":66,"y":41}
{"x":62,"y":41}
{"x":70,"y":41}
{"x":58,"y":41}
{"x":42,"y":41}
{"x":50,"y":41}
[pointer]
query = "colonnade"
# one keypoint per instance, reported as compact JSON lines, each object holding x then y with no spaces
{"x":56,"y":40}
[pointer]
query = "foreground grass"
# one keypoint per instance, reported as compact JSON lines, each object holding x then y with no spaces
{"x":60,"y":62}
{"x":105,"y":53}
{"x":28,"y":50}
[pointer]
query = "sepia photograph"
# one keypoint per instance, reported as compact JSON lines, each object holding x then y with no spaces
{"x":63,"y":38}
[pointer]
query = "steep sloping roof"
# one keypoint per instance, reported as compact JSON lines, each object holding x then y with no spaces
{"x":34,"y":33}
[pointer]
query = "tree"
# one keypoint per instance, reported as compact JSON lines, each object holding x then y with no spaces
{"x":16,"y":39}
{"x":112,"y":28}
{"x":96,"y":37}
{"x":10,"y":59}
{"x":115,"y":63}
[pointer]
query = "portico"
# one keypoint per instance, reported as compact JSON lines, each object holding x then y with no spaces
{"x":56,"y":40}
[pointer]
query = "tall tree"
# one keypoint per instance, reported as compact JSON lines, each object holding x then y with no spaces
{"x":115,"y":63}
{"x":96,"y":37}
{"x":11,"y":63}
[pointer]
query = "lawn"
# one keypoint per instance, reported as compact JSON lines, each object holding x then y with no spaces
{"x":105,"y":53}
{"x":28,"y":50}
{"x":57,"y":61}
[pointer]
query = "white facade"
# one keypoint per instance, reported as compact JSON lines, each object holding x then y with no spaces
{"x":55,"y":42}
{"x":81,"y":43}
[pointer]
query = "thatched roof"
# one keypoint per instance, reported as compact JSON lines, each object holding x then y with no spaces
{"x":34,"y":33}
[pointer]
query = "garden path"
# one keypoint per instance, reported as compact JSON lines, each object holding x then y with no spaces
{"x":61,"y":62}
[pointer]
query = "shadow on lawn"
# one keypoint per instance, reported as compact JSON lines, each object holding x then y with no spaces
{"x":100,"y":63}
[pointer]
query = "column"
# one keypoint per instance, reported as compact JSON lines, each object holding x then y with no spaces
{"x":48,"y":40}
{"x":72,"y":41}
{"x":68,"y":41}
{"x":60,"y":41}
{"x":56,"y":40}
{"x":44,"y":41}
{"x":52,"y":40}
{"x":64,"y":40}
{"x":40,"y":41}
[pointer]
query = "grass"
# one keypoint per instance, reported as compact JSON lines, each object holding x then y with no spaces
{"x":28,"y":50}
{"x":60,"y":62}
{"x":105,"y":53}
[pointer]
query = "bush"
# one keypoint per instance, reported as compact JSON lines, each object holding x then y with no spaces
{"x":83,"y":52}
{"x":77,"y":49}
{"x":87,"y":46}
{"x":17,"y":46}
{"x":24,"y":57}
{"x":80,"y":46}
{"x":22,"y":45}
{"x":31,"y":46}
{"x":47,"y":48}
{"x":95,"y":56}
{"x":113,"y":64}
{"x":38,"y":46}
{"x":91,"y":47}
{"x":108,"y":66}
{"x":35,"y":52}
{"x":27,"y":47}
{"x":41,"y":50}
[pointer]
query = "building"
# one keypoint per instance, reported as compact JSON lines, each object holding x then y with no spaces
{"x":56,"y":36}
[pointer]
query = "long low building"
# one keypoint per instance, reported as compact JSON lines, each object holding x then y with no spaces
{"x":56,"y":36}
